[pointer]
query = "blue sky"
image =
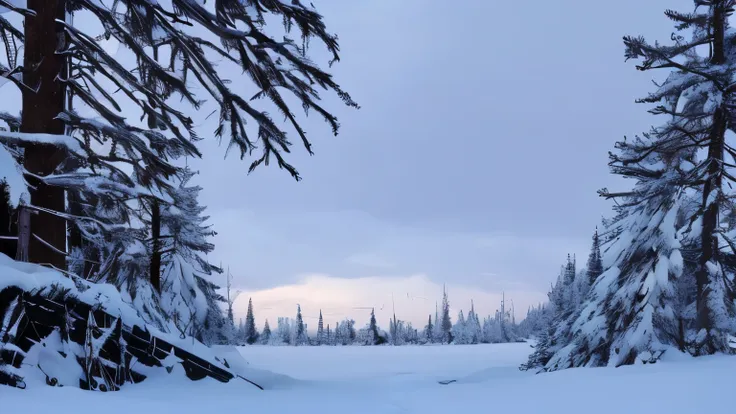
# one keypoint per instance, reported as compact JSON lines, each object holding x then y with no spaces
{"x":474,"y":161}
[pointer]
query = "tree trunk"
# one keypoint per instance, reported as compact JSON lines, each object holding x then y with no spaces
{"x":40,"y":109}
{"x":709,"y":238}
{"x":156,"y":245}
{"x":718,"y":56}
{"x":714,"y":180}
{"x":24,"y":233}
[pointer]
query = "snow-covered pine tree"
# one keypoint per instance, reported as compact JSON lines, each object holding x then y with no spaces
{"x":429,"y":331}
{"x":250,"y":330}
{"x":265,"y":337}
{"x":534,"y":322}
{"x":240,"y":333}
{"x":329,"y":338}
{"x":668,"y":282}
{"x":594,"y":266}
{"x":350,"y":332}
{"x":410,"y":335}
{"x":321,"y":340}
{"x":183,"y":274}
{"x":283,"y":332}
{"x":339,"y":336}
{"x":459,"y":330}
{"x":437,"y":334}
{"x":78,"y":139}
{"x":564,"y":305}
{"x":445,"y":322}
{"x":473,"y":328}
{"x":569,"y":293}
{"x":300,"y":331}
{"x":376,"y":336}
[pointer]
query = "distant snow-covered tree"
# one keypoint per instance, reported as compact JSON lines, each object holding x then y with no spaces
{"x":429,"y":333}
{"x":321,"y":339}
{"x":459,"y":330}
{"x":250,"y":332}
{"x":473,"y":328}
{"x":445,"y":323}
{"x":283,"y":332}
{"x":595,"y":260}
{"x":265,"y":337}
{"x":345,"y":333}
{"x":376,"y":338}
{"x":300,"y":330}
{"x":535,"y":322}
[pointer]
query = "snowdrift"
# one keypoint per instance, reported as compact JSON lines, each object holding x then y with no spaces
{"x":69,"y":332}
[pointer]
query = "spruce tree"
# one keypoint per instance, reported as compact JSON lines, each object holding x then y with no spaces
{"x":473,"y":325}
{"x":429,"y":330}
{"x":459,"y":330}
{"x":251,"y":332}
{"x":265,"y":337}
{"x":373,"y":328}
{"x":446,"y":322}
{"x":595,"y":262}
{"x":301,"y":332}
{"x":184,"y":274}
{"x":320,"y":330}
{"x":106,"y":135}
{"x":672,"y":253}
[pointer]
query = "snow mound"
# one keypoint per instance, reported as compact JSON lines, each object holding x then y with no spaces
{"x":65,"y":331}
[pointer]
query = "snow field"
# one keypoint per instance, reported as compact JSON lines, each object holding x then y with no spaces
{"x":362,"y":380}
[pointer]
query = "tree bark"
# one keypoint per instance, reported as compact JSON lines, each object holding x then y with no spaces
{"x":24,"y":233}
{"x":718,"y":56}
{"x":713,"y":183}
{"x":40,"y":109}
{"x":156,"y":245}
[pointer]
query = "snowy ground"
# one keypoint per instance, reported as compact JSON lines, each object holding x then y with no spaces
{"x":360,"y":380}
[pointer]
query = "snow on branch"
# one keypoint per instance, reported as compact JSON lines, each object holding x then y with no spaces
{"x":63,"y":141}
{"x":273,"y":66}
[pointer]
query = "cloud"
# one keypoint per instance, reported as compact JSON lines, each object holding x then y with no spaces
{"x":270,"y":252}
{"x":414,"y":298}
{"x":369,"y":260}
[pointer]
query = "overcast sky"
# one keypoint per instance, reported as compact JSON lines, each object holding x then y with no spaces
{"x":474,"y":161}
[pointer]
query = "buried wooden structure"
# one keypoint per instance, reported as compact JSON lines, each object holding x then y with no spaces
{"x":110,"y":350}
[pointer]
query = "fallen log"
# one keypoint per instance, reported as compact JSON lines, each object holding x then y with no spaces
{"x":107,"y":349}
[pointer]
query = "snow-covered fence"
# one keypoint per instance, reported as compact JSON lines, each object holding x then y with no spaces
{"x":109,"y":352}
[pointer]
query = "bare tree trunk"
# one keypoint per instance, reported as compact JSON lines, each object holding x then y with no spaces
{"x":156,"y":243}
{"x":40,"y":109}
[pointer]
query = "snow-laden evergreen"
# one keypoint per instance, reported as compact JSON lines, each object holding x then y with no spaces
{"x":428,"y":333}
{"x":321,"y":338}
{"x":250,"y":332}
{"x":300,"y":332}
{"x":265,"y":336}
{"x":669,"y":254}
{"x":445,"y":323}
{"x":100,"y":136}
{"x":499,"y":328}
